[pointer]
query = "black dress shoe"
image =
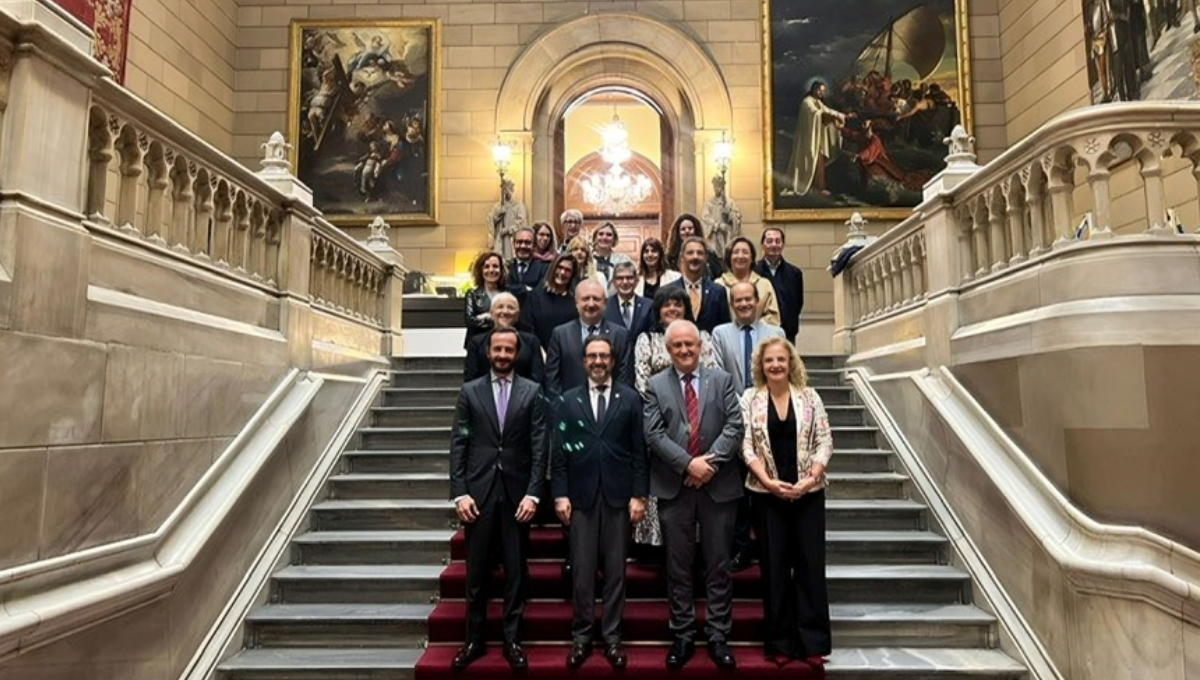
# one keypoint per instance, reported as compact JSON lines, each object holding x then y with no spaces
{"x":578,"y":655}
{"x":740,"y":562}
{"x":722,"y":656}
{"x":467,"y":654}
{"x":680,"y":652}
{"x":615,"y":654}
{"x":515,"y":656}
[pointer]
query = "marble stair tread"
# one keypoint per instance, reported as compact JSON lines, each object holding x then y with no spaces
{"x":909,"y":613}
{"x":351,"y":572}
{"x":835,"y":477}
{"x":455,"y":389}
{"x":393,"y":477}
{"x":929,"y":662}
{"x":445,"y":453}
{"x":845,"y":504}
{"x":422,"y":409}
{"x":388,"y":535}
{"x":337,"y":659}
{"x":415,"y":428}
{"x":385,"y":504}
{"x":341,"y":611}
{"x":883,"y":536}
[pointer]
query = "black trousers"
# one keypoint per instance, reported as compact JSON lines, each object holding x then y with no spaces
{"x":599,"y":536}
{"x":791,"y":535}
{"x":496,"y":531}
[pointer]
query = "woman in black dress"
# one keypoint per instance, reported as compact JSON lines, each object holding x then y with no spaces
{"x":787,"y":445}
{"x":552,"y":303}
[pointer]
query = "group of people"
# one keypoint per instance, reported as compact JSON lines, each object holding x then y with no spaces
{"x":649,"y":427}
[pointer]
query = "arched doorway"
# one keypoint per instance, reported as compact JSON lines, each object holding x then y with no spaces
{"x":609,"y":52}
{"x":634,"y":190}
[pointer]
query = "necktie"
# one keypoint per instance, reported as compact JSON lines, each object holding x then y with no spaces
{"x":627,"y":313}
{"x":747,"y":350}
{"x":601,"y":405}
{"x":592,"y":330}
{"x":502,"y":402}
{"x":520,"y":270}
{"x":693,"y":416}
{"x":694,"y":294}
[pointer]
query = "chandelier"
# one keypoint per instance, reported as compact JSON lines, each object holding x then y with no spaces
{"x":616,"y":191}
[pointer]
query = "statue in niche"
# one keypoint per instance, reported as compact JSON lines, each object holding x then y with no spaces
{"x":722,"y":219}
{"x":506,"y":218}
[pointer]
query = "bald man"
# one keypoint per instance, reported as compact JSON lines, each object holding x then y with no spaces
{"x":564,"y":363}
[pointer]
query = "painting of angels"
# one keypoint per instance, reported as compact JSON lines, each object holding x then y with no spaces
{"x":858,"y":99}
{"x":363,"y":117}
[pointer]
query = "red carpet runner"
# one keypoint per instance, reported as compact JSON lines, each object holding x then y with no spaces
{"x":548,"y":622}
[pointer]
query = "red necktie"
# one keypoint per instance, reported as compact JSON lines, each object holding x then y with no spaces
{"x":693,"y":416}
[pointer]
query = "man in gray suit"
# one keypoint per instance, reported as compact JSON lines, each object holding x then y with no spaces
{"x":694,"y":431}
{"x":734,"y":344}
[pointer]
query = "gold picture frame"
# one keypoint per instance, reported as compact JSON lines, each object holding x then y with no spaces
{"x":868,"y":179}
{"x":364,"y":117}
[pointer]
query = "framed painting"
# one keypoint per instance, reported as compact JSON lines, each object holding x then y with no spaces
{"x":858,"y":97}
{"x":1139,"y":51}
{"x":363,"y":117}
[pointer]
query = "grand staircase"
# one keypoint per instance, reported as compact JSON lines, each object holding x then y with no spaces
{"x":375,"y":586}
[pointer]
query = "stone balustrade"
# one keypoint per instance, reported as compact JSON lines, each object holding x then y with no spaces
{"x":1049,"y":192}
{"x":345,"y":277}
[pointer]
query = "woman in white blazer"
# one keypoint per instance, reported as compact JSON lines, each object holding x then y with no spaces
{"x":787,"y":445}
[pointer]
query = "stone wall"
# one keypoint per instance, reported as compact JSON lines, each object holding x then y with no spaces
{"x":181,"y":59}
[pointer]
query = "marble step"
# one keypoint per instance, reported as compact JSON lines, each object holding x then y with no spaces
{"x":849,"y":663}
{"x":366,"y":515}
{"x":404,"y":438}
{"x":419,"y":396}
{"x":446,"y":363}
{"x":338,"y":625}
{"x":431,"y":486}
{"x":434,"y":547}
{"x":419,"y":438}
{"x":418,"y":416}
{"x":824,"y":377}
{"x":425,"y":378}
{"x":430,"y":461}
{"x":393,"y":584}
{"x":394,"y":514}
{"x":438,"y":460}
{"x":391,"y":663}
{"x":846,"y":414}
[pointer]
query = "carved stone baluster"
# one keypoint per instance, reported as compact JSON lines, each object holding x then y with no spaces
{"x":918,"y":267}
{"x":877,"y":277}
{"x":258,"y":242}
{"x":222,"y":231}
{"x":316,"y":284}
{"x":1060,"y":182}
{"x":100,"y":153}
{"x":183,"y":178}
{"x":1098,"y":156}
{"x":132,"y":150}
{"x":907,"y":293}
{"x":998,"y":252}
{"x":869,"y":289}
{"x":345,"y":286}
{"x":273,"y":241}
{"x":853,"y":293}
{"x":200,"y":237}
{"x":1035,"y":192}
{"x":961,"y":215}
{"x":1014,"y":210}
{"x":979,"y":231}
{"x":241,"y":232}
{"x":363,"y":291}
{"x":886,"y":274}
{"x":157,"y":205}
{"x":1150,"y":165}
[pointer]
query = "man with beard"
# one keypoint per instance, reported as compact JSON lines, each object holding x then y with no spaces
{"x":818,"y":138}
{"x":497,"y":468}
{"x":524,"y":271}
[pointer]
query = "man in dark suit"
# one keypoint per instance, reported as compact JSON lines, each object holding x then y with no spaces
{"x":628,"y":309}
{"x":710,"y":305}
{"x":786,"y":278}
{"x":524,"y":272}
{"x":600,"y":480}
{"x":497,"y":467}
{"x":564,"y":369}
{"x":694,"y":431}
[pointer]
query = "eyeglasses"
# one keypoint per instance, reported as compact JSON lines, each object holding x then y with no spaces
{"x":597,"y":357}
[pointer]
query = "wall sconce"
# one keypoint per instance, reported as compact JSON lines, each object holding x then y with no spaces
{"x":723,"y":153}
{"x":502,"y":157}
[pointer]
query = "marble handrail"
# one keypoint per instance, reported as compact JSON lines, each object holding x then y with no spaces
{"x":1126,"y":561}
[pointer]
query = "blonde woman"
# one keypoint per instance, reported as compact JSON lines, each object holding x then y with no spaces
{"x":581,"y":249}
{"x":787,"y":445}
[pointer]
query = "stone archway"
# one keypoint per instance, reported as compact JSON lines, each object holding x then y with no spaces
{"x":614,"y":49}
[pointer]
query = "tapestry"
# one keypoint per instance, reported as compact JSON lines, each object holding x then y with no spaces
{"x":112,"y":34}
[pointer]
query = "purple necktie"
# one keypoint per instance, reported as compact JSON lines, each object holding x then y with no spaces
{"x":502,"y":402}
